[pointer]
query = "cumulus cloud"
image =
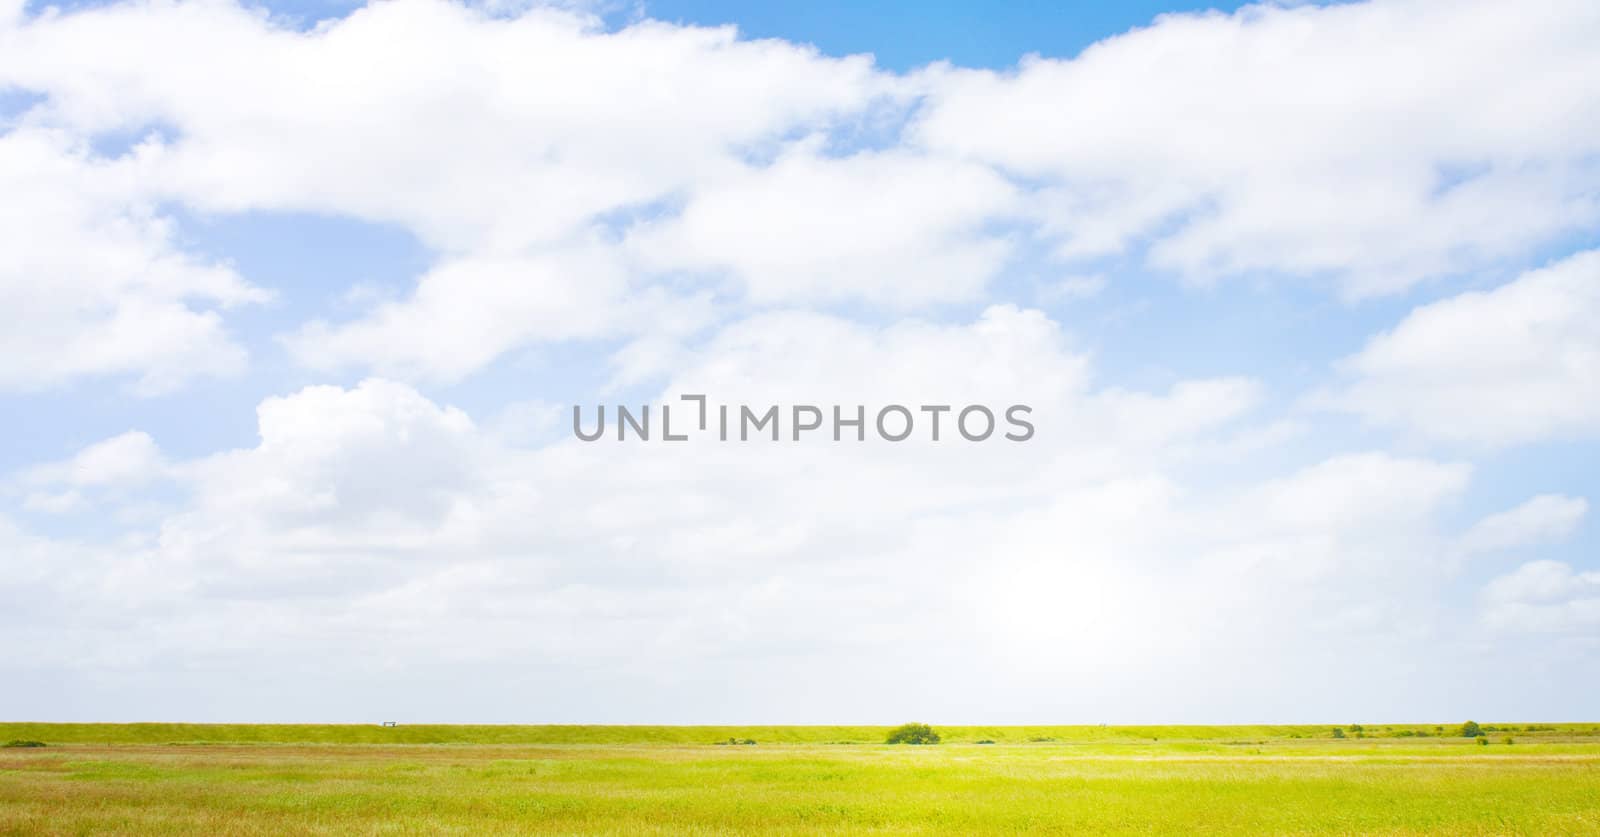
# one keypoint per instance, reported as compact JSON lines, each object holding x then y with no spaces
{"x":895,"y":228}
{"x":377,"y":458}
{"x":506,"y":166}
{"x":464,"y":313}
{"x":764,"y":224}
{"x":376,"y":115}
{"x":1362,"y":492}
{"x":390,"y":533}
{"x":127,"y":459}
{"x":92,"y":283}
{"x":1245,"y":144}
{"x":1542,"y":519}
{"x":1519,"y":363}
{"x":1262,"y":142}
{"x":1543,"y":597}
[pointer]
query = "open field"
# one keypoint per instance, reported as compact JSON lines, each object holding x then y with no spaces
{"x":161,"y":778}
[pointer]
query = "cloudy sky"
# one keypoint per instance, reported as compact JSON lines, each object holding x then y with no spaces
{"x":295,"y":300}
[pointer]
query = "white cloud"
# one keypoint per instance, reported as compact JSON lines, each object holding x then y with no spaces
{"x":1519,"y":363}
{"x":1543,"y":597}
{"x":57,"y":502}
{"x":127,"y":459}
{"x":1267,"y":141}
{"x":91,"y":283}
{"x":891,"y":227}
{"x":1547,"y":518}
{"x":691,"y":193}
{"x":1248,"y":143}
{"x":509,"y":166}
{"x":1362,"y":493}
{"x":386,"y":533}
{"x":375,"y":115}
{"x":464,"y":313}
{"x":107,"y":474}
{"x":379,"y":459}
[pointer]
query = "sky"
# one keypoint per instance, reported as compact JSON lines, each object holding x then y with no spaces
{"x":296,"y":302}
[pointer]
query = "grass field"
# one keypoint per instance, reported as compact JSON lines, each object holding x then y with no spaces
{"x":164,"y":778}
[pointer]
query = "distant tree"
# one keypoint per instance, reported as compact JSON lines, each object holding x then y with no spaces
{"x":1471,"y":729}
{"x":1356,"y":728}
{"x":1338,"y":733}
{"x":913,"y":734}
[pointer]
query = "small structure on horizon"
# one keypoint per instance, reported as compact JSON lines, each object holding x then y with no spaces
{"x":390,"y":724}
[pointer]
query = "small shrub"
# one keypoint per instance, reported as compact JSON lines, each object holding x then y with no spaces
{"x":913,"y":734}
{"x":1356,"y":728}
{"x":1471,"y":729}
{"x":1510,"y":740}
{"x":1338,"y":733}
{"x":985,"y":741}
{"x":21,"y":743}
{"x":1483,"y":742}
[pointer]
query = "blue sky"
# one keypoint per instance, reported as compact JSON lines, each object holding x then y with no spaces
{"x":902,"y":36}
{"x":292,"y":343}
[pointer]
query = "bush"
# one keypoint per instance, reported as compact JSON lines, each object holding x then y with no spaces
{"x":1471,"y":729}
{"x":913,"y":734}
{"x":1338,"y":733}
{"x":985,"y":741}
{"x":20,"y":743}
{"x":1510,"y":740}
{"x":1483,"y":742}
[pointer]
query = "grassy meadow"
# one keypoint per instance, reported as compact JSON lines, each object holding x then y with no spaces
{"x":425,"y":779}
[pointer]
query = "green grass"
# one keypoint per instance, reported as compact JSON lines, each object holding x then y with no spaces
{"x":166,"y":778}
